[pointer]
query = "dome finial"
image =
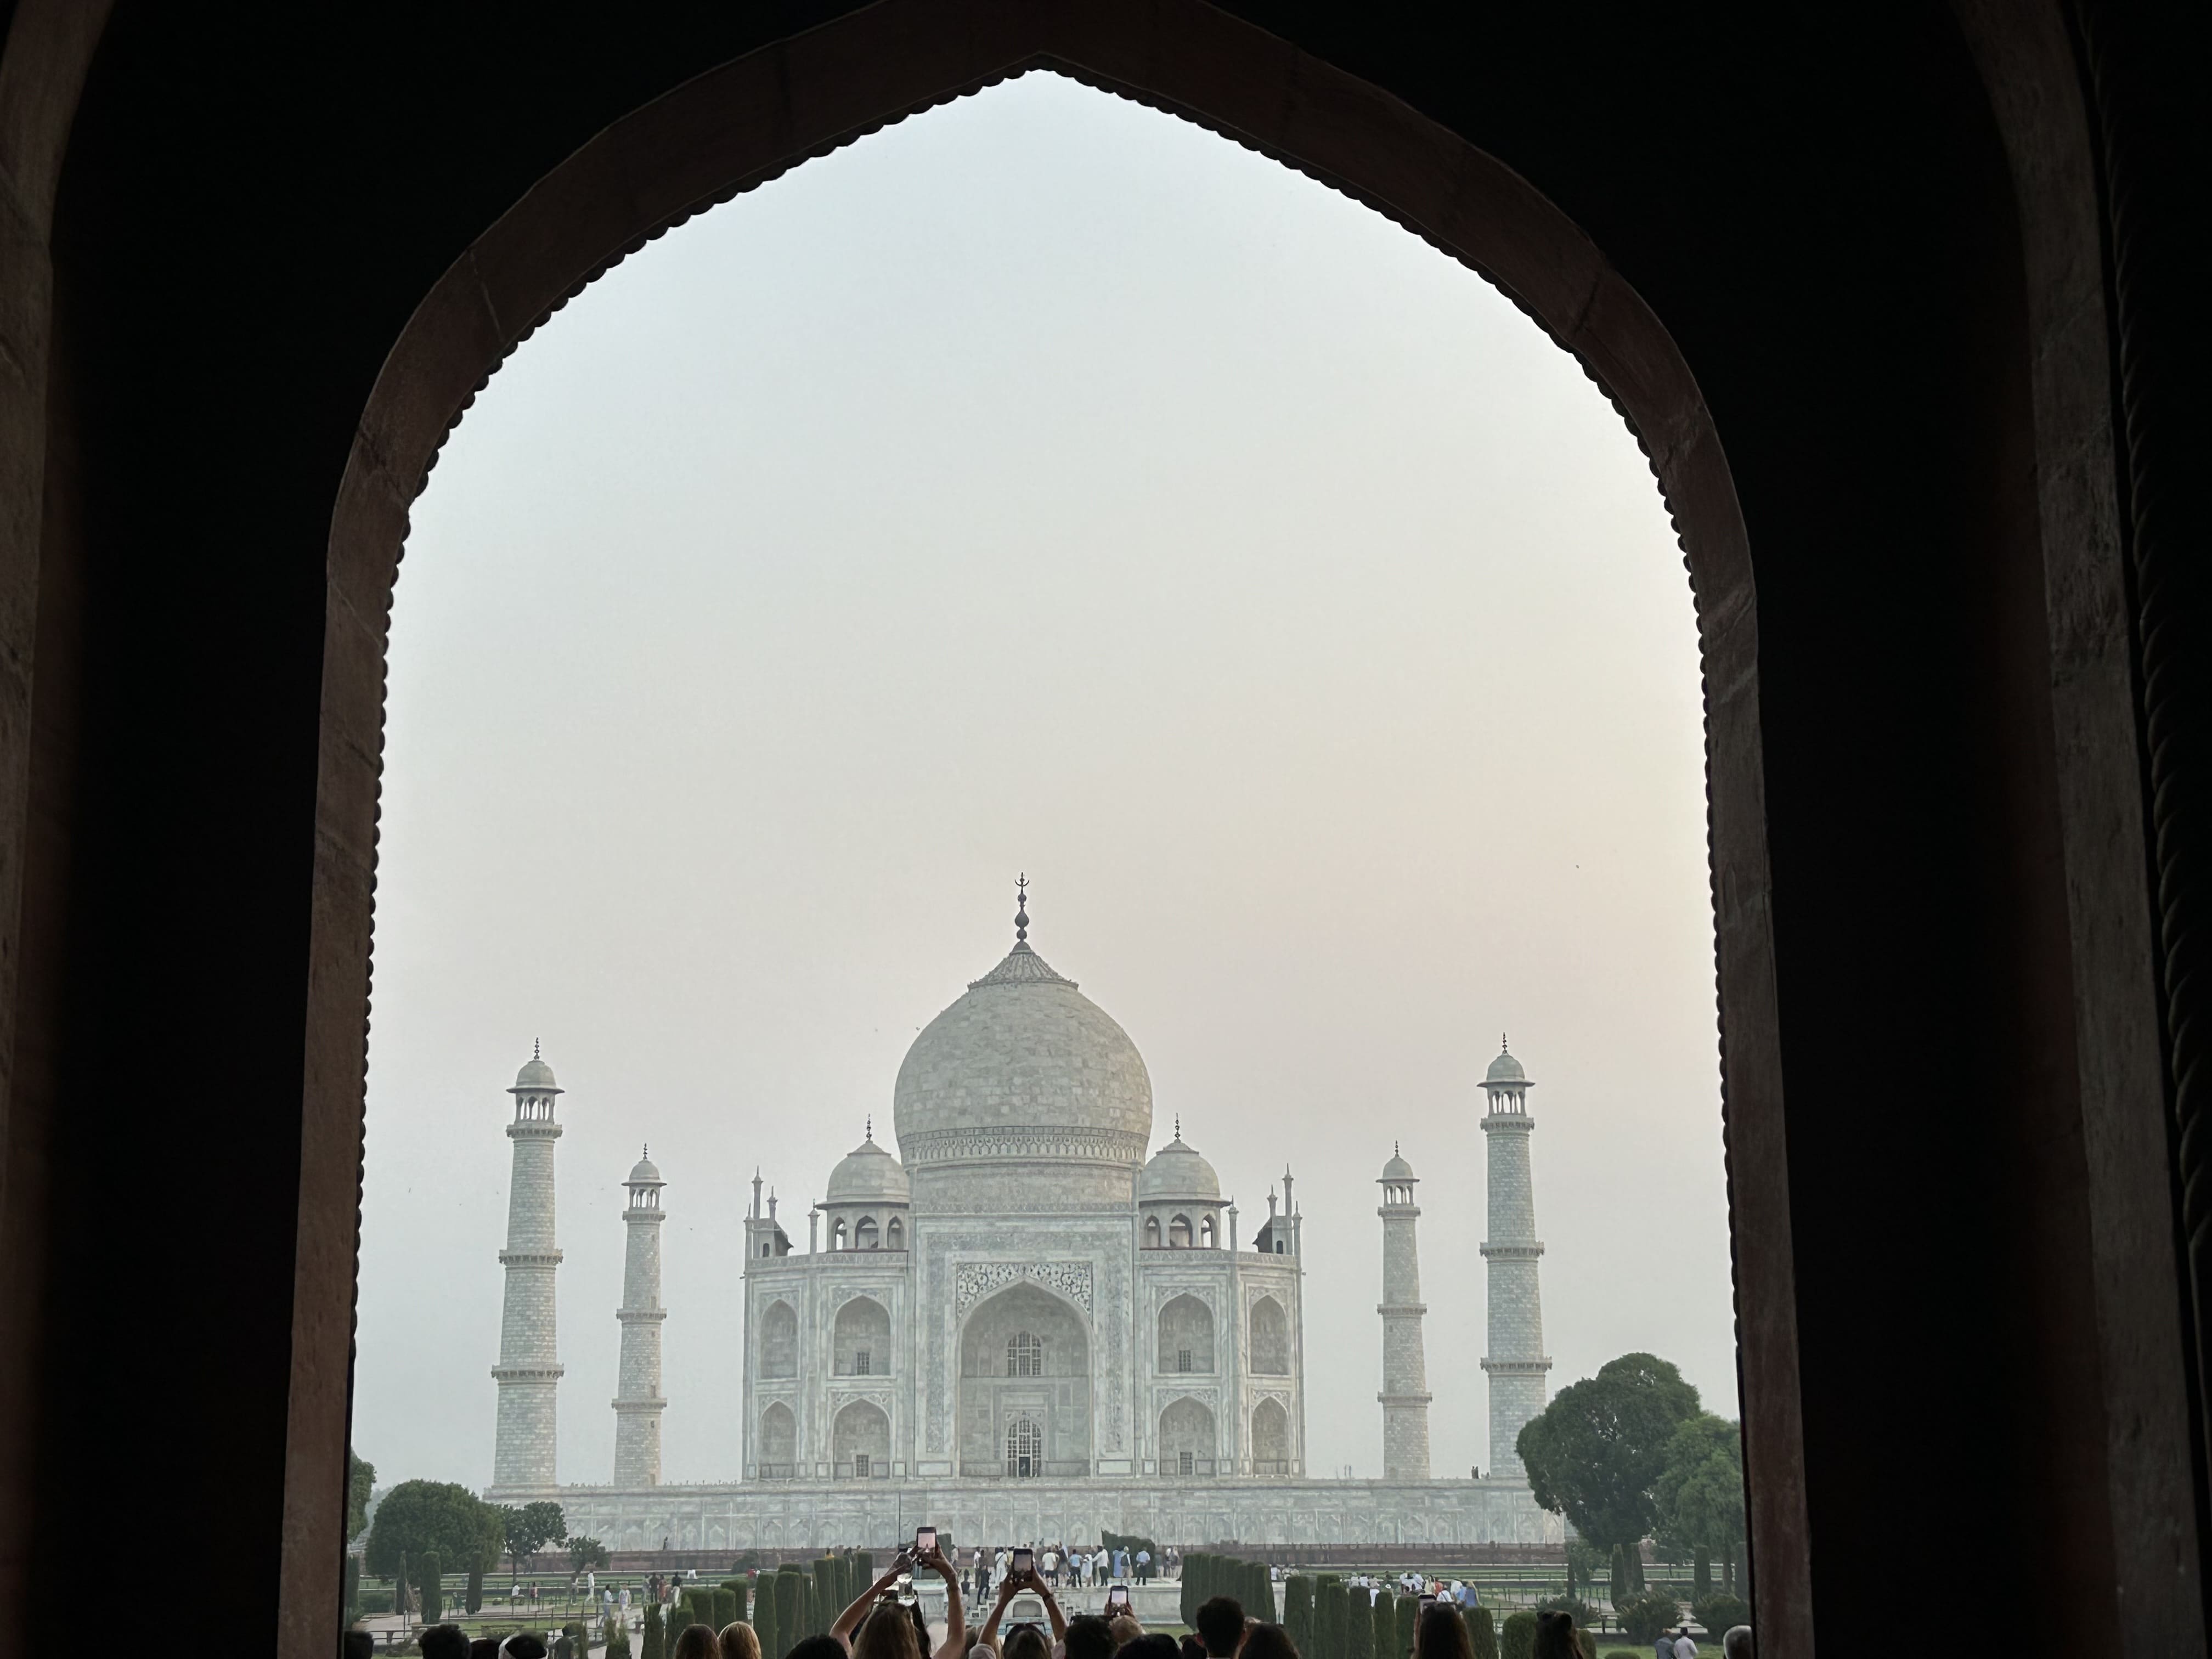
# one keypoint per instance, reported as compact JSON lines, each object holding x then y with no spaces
{"x":1504,"y":1047}
{"x":871,"y":1133}
{"x":1178,"y":1126}
{"x":535,"y":1052}
{"x":1022,"y":909}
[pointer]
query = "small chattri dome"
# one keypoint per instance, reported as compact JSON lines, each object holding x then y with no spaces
{"x":1397,"y":1169}
{"x":1178,"y":1172}
{"x":648,"y":1173}
{"x":1505,"y":1068}
{"x":536,"y":1077}
{"x":867,"y":1174}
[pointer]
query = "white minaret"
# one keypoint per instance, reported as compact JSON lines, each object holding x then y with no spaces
{"x":529,"y":1369}
{"x":1517,"y":1364}
{"x":639,"y":1405}
{"x":1404,"y":1394}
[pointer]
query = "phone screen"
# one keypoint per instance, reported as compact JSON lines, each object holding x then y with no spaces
{"x":1118,"y":1596}
{"x":1428,"y":1600}
{"x":924,"y":1540}
{"x":1024,"y":1560}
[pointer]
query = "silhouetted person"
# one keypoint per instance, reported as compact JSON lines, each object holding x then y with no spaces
{"x":700,"y":1642}
{"x":1558,"y":1639}
{"x":1089,"y":1637}
{"x":443,"y":1642}
{"x":1269,"y":1642}
{"x":1441,"y":1633}
{"x":1221,"y":1626}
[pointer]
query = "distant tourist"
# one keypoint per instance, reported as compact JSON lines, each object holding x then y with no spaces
{"x":1221,"y":1626}
{"x":697,"y":1642}
{"x":738,"y":1640}
{"x":1684,"y":1647}
{"x":443,"y":1642}
{"x":1144,"y":1566}
{"x":1264,"y":1641}
{"x":1664,"y":1647}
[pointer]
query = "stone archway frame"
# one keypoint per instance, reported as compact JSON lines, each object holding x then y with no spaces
{"x":736,"y":127}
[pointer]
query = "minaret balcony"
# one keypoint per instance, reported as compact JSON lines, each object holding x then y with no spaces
{"x":1516,"y":1367}
{"x":1528,"y":1252}
{"x":528,"y":1373}
{"x":639,"y":1405}
{"x":640,"y":1316}
{"x":529,"y":1258}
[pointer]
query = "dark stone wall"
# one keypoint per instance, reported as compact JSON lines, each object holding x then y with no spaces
{"x":1819,"y":209}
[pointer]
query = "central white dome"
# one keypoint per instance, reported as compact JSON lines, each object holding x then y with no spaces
{"x":1024,"y":1068}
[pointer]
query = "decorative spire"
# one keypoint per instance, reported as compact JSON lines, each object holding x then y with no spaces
{"x":646,"y":1152}
{"x":1504,"y":1047}
{"x":1022,"y":909}
{"x":1178,"y":1126}
{"x":871,"y":1134}
{"x":535,"y":1052}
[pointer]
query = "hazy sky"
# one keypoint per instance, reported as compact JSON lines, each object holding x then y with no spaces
{"x":1042,"y":484}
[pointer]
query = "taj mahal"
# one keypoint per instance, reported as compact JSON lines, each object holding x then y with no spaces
{"x":1022,"y":1325}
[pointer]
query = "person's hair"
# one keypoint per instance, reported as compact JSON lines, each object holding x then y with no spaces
{"x":1441,"y":1633}
{"x":818,"y":1647}
{"x":920,"y":1624}
{"x":1735,"y":1644}
{"x":1151,"y":1647}
{"x":887,"y":1633}
{"x":443,"y":1642}
{"x":1125,"y":1630}
{"x":522,"y":1645}
{"x":697,"y":1641}
{"x":738,"y":1640}
{"x":484,"y":1647}
{"x":1193,"y":1648}
{"x":1266,"y":1641}
{"x":1558,"y":1639}
{"x":1221,"y":1625}
{"x":1025,"y":1641}
{"x":1089,"y":1637}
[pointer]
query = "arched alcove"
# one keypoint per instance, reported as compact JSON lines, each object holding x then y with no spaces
{"x":1271,"y":1338}
{"x":1024,"y":1354}
{"x":1187,"y":1438}
{"x":862,"y":1335}
{"x":779,"y":1339}
{"x":779,"y":1442}
{"x":1270,"y":1438}
{"x":861,"y":1441}
{"x":1186,"y":1336}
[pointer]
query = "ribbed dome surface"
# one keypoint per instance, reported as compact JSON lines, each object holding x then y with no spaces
{"x":867,"y":1174}
{"x":1024,"y":1065}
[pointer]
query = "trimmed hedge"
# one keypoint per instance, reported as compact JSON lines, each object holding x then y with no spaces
{"x":430,"y":1587}
{"x":1332,"y":1608}
{"x":1481,"y":1632}
{"x":764,"y":1624}
{"x":1519,"y":1639}
{"x":1298,"y":1613}
{"x":651,"y":1643}
{"x":1409,"y":1611}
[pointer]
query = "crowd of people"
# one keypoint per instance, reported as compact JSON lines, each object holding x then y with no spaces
{"x":886,"y":1621}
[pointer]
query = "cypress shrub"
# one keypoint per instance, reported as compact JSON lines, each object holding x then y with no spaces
{"x":1384,"y":1617}
{"x":1332,"y":1607}
{"x":726,"y":1606}
{"x":737,"y":1600}
{"x":1358,"y":1627}
{"x":828,"y":1581}
{"x":1481,"y":1634}
{"x":866,"y":1562}
{"x":789,"y":1605}
{"x":1298,"y":1610}
{"x":764,"y":1624}
{"x":1263,"y":1591}
{"x":649,"y":1641}
{"x":351,"y":1592}
{"x":473,"y":1598}
{"x":1409,"y":1610}
{"x":1194,"y":1576}
{"x":1519,"y":1639}
{"x":1701,"y":1574}
{"x":429,"y":1586}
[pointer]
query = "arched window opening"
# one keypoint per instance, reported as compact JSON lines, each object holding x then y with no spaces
{"x":1206,"y":1233}
{"x":1025,"y":1449}
{"x":1152,"y":1232}
{"x":779,"y":1443}
{"x":895,"y":1234}
{"x":864,"y":1236}
{"x":1179,"y":1233}
{"x":1270,"y":1438}
{"x":837,"y":1234}
{"x":1271,"y":1338}
{"x":779,"y":1342}
{"x":1024,"y":1355}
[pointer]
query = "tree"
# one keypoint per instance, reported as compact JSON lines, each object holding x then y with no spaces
{"x":529,"y":1529}
{"x":361,"y":1486}
{"x":772,"y":1644}
{"x":652,"y":1646}
{"x":430,"y":1586}
{"x":1359,"y":1627}
{"x":1481,"y":1633}
{"x":1409,"y":1614}
{"x":585,"y":1552}
{"x":1332,"y":1606}
{"x":1698,"y":1496}
{"x":1383,"y":1617}
{"x":1297,"y":1609}
{"x":1595,"y":1453}
{"x":435,"y":1516}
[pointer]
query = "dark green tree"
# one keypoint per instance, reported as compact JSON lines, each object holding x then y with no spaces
{"x":1298,"y":1610}
{"x":435,"y":1516}
{"x":740,"y":1599}
{"x":1597,"y":1452}
{"x":726,"y":1606}
{"x":1409,"y":1614}
{"x":1519,"y":1639}
{"x":586,"y":1552}
{"x":1698,"y":1497}
{"x":764,"y":1624}
{"x":651,"y":1643}
{"x":1359,"y":1627}
{"x":474,"y":1599}
{"x":529,"y":1529}
{"x":790,"y":1607}
{"x":1383,"y":1617}
{"x":430,"y":1586}
{"x":361,"y":1486}
{"x":1332,"y":1610}
{"x":1481,"y":1633}
{"x":351,"y":1592}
